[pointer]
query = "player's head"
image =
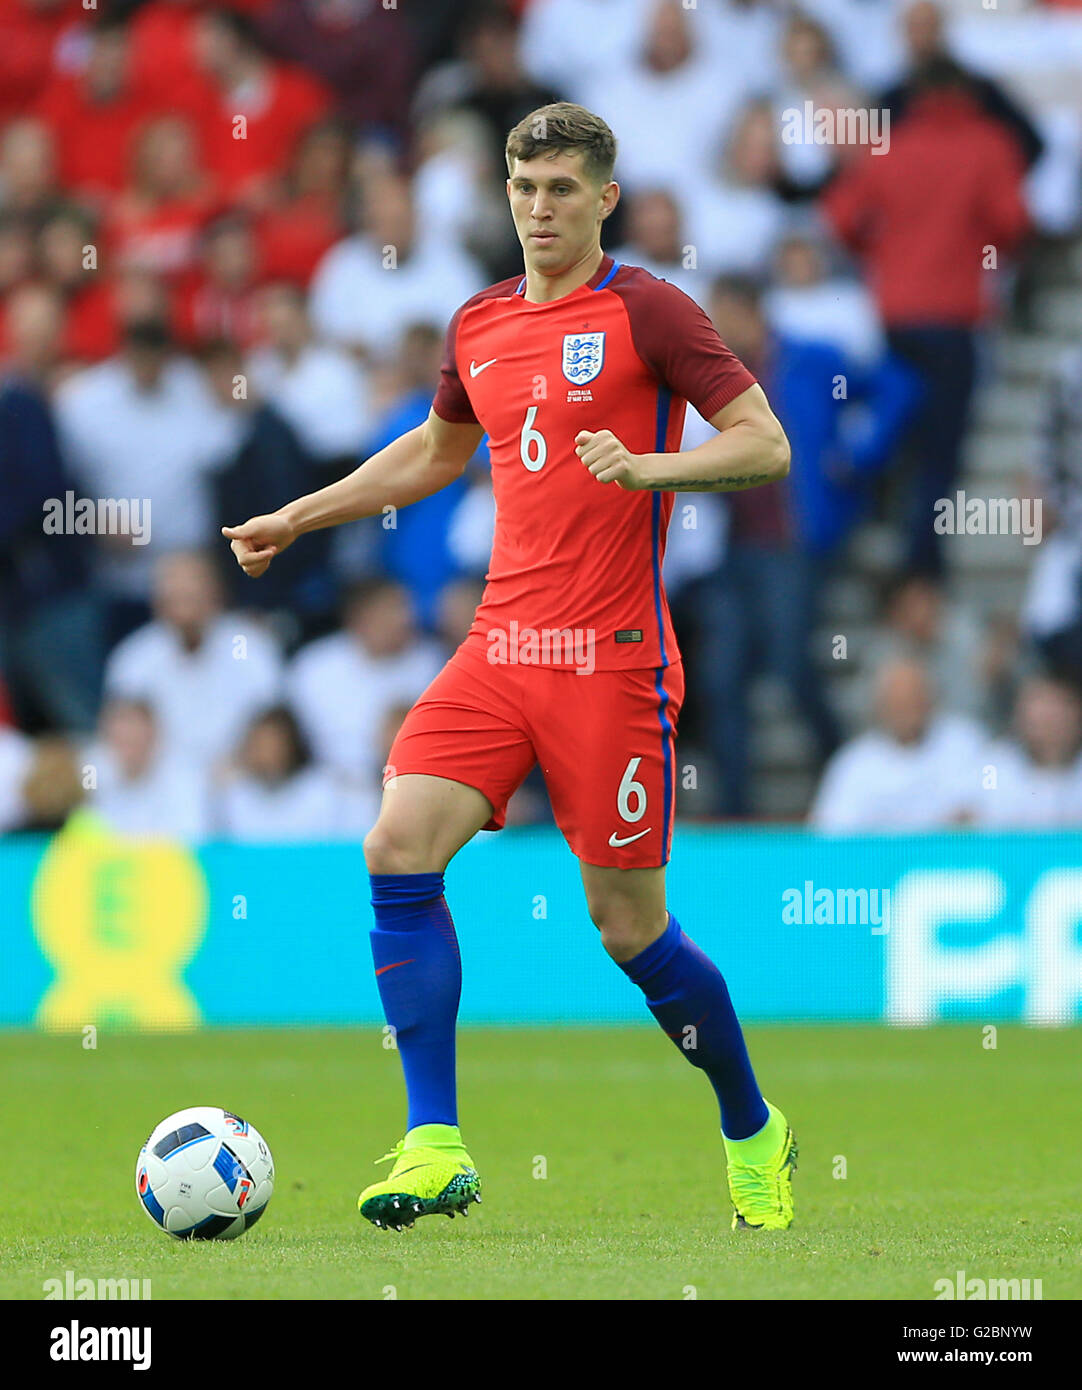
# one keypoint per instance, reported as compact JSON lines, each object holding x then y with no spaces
{"x":560,"y":185}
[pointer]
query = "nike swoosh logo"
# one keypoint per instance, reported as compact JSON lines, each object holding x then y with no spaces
{"x":476,"y":370}
{"x":616,"y":842}
{"x":394,"y":963}
{"x":404,"y":1171}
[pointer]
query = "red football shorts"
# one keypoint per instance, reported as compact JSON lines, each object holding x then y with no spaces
{"x":605,"y":742}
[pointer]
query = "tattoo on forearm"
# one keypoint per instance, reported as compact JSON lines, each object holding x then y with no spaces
{"x":711,"y":484}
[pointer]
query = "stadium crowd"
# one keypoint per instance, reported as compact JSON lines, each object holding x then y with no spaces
{"x":230,"y":244}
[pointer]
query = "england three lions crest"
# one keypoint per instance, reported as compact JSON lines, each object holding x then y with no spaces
{"x":584,"y":355}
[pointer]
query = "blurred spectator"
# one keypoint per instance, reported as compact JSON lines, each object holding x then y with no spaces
{"x":924,"y":216}
{"x":276,"y":794}
{"x":341,"y":686}
{"x":735,"y":220}
{"x":761,"y":604}
{"x":52,"y":786}
{"x":865,"y":33}
{"x":221,"y":300}
{"x":95,"y":113}
{"x":140,"y":788}
{"x":362,"y":49}
{"x":915,"y":771}
{"x":51,"y":638}
{"x":16,"y":251}
{"x":922,"y":24}
{"x":34,"y":316}
{"x":319,"y":389}
{"x":745,"y":40}
{"x":472,"y":526}
{"x":670,"y":109}
{"x":1052,"y":613}
{"x":203,"y":671}
{"x":564,"y":43}
{"x":144,"y":425}
{"x":155,"y":225}
{"x":487,"y":78}
{"x":458,"y":186}
{"x":805,"y":302}
{"x":811,"y":75}
{"x":267,"y":468}
{"x":28,"y":170}
{"x":371,"y":286}
{"x":16,"y":755}
{"x":165,"y":46}
{"x":168,"y":164}
{"x":68,"y":257}
{"x":698,"y":534}
{"x":917,"y":620}
{"x":31,"y":37}
{"x":306,"y":215}
{"x":456,"y":610}
{"x":413,"y":545}
{"x":1038,"y":773}
{"x":657,"y":241}
{"x":276,"y":102}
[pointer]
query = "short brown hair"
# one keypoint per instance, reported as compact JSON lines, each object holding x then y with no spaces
{"x":563,"y":127}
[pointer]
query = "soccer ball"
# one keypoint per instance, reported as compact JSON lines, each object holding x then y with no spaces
{"x":204,"y":1174}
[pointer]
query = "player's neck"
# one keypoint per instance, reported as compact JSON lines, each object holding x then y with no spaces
{"x":540,"y":289}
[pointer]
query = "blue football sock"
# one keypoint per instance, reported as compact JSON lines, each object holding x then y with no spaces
{"x":419,"y":974}
{"x":686,"y":994}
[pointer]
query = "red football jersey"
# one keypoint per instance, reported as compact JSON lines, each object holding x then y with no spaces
{"x":625,"y":352}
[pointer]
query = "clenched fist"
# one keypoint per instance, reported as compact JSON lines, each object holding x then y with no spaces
{"x":608,"y":459}
{"x":258,"y":541}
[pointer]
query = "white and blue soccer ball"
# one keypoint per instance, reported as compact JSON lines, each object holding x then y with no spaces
{"x":204,"y":1174}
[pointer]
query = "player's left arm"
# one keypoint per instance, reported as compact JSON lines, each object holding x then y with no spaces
{"x":749,"y":449}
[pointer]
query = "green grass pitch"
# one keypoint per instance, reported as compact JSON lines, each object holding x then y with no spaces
{"x":955,"y":1157}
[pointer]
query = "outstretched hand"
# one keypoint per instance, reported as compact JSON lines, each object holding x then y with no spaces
{"x":258,"y":541}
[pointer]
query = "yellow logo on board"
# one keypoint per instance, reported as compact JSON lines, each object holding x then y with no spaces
{"x":118,"y":918}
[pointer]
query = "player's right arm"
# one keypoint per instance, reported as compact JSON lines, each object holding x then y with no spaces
{"x":415,"y":465}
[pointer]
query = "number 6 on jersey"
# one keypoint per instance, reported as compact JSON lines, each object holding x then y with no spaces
{"x":533,"y":450}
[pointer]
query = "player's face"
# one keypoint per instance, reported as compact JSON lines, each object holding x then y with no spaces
{"x":558,"y":210}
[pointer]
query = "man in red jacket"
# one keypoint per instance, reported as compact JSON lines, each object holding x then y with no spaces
{"x":932,"y":219}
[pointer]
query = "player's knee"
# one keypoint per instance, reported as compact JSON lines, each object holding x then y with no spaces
{"x":388,"y":850}
{"x":625,"y":932}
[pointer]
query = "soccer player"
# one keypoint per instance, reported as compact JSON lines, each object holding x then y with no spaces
{"x":579,"y":371}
